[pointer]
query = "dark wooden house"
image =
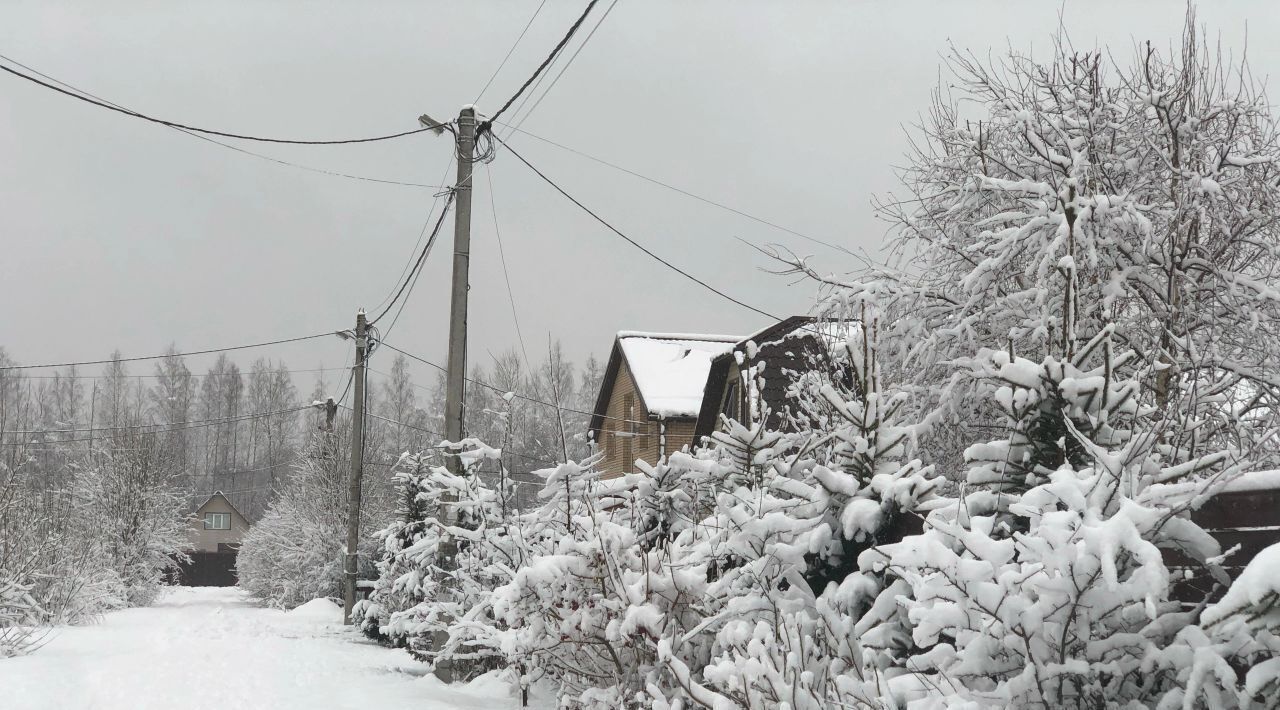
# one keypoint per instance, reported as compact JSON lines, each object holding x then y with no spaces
{"x":751,"y":380}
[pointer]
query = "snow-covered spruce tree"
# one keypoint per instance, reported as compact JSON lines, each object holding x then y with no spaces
{"x":452,"y":545}
{"x":588,"y":612}
{"x":1045,"y":584}
{"x":779,"y":612}
{"x":398,"y":584}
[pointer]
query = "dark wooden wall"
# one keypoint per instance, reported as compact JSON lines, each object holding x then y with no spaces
{"x":208,"y":569}
{"x":1250,"y":519}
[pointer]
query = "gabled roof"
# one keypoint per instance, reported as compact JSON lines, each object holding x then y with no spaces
{"x":216,"y":495}
{"x":669,"y":371}
{"x":795,"y":344}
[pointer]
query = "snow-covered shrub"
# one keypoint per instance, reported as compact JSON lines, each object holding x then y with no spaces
{"x":78,"y":538}
{"x":780,"y":548}
{"x":604,"y":585}
{"x":20,"y":616}
{"x":135,"y":504}
{"x":1231,"y":658}
{"x":1046,"y":583}
{"x":295,"y":552}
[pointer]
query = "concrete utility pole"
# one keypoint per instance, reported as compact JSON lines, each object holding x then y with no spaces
{"x":455,"y":380}
{"x":457,"y":364}
{"x":350,"y":563}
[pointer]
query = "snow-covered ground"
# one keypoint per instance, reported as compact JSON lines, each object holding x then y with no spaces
{"x":211,"y":647}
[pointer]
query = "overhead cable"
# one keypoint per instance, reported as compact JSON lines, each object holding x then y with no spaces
{"x":126,"y":431}
{"x":422,"y":233}
{"x":167,"y":355}
{"x":502,"y":391}
{"x":411,"y":277}
{"x":440,"y":447}
{"x":633,"y":242}
{"x":209,"y":131}
{"x":515,"y":44}
{"x":228,"y":146}
{"x":686,"y":193}
{"x":502,"y":256}
{"x":485,"y":126}
{"x":193,"y":375}
{"x":567,"y":64}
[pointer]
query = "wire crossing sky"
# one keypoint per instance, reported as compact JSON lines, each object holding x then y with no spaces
{"x":780,"y":125}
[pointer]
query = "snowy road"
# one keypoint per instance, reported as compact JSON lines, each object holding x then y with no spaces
{"x":210,"y":647}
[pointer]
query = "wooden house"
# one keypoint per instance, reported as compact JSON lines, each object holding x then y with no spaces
{"x":216,"y":531}
{"x":751,"y":380}
{"x":651,"y":395}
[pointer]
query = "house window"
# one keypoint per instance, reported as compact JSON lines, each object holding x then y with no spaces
{"x":217,"y":521}
{"x":729,"y":407}
{"x":628,"y":454}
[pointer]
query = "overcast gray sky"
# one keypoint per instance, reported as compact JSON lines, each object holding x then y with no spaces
{"x":120,"y":233}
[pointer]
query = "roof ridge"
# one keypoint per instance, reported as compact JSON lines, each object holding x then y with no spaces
{"x":705,"y":337}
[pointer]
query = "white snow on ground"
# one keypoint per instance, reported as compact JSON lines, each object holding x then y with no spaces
{"x":212,"y":647}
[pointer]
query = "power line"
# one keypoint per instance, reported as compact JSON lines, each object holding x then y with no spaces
{"x":422,"y":258}
{"x":501,"y":391}
{"x":686,"y":193}
{"x":633,"y":242}
{"x":567,"y":64}
{"x":193,"y":376}
{"x":422,"y":233}
{"x":442,"y":436}
{"x":194,"y":425}
{"x":179,"y":425}
{"x":161,"y":357}
{"x":208,"y":131}
{"x":502,"y":255}
{"x":527,"y":25}
{"x":228,"y":146}
{"x":487,"y":124}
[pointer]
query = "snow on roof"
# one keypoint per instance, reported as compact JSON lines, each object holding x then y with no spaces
{"x":679,"y":336}
{"x":1253,"y":481}
{"x":670,"y":369}
{"x":833,"y":333}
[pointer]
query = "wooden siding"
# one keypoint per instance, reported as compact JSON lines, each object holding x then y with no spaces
{"x":1250,"y":519}
{"x":208,"y":540}
{"x":645,"y":442}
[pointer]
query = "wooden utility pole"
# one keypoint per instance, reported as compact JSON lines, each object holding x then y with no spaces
{"x":350,"y":563}
{"x":457,"y":364}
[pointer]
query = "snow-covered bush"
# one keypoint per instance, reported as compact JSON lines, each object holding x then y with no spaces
{"x":602,"y":586}
{"x":1231,"y":658}
{"x":780,"y":547}
{"x":295,"y":552}
{"x":1046,"y":583}
{"x":80,"y":537}
{"x":134,"y":502}
{"x":451,"y":546}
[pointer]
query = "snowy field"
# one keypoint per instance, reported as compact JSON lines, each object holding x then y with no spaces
{"x":211,"y":647}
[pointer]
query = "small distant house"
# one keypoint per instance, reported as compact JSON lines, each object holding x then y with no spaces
{"x":216,"y":531}
{"x":651,"y":395}
{"x":751,"y":380}
{"x":217,"y":526}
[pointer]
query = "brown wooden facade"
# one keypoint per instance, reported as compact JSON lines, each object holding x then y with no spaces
{"x":624,"y":428}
